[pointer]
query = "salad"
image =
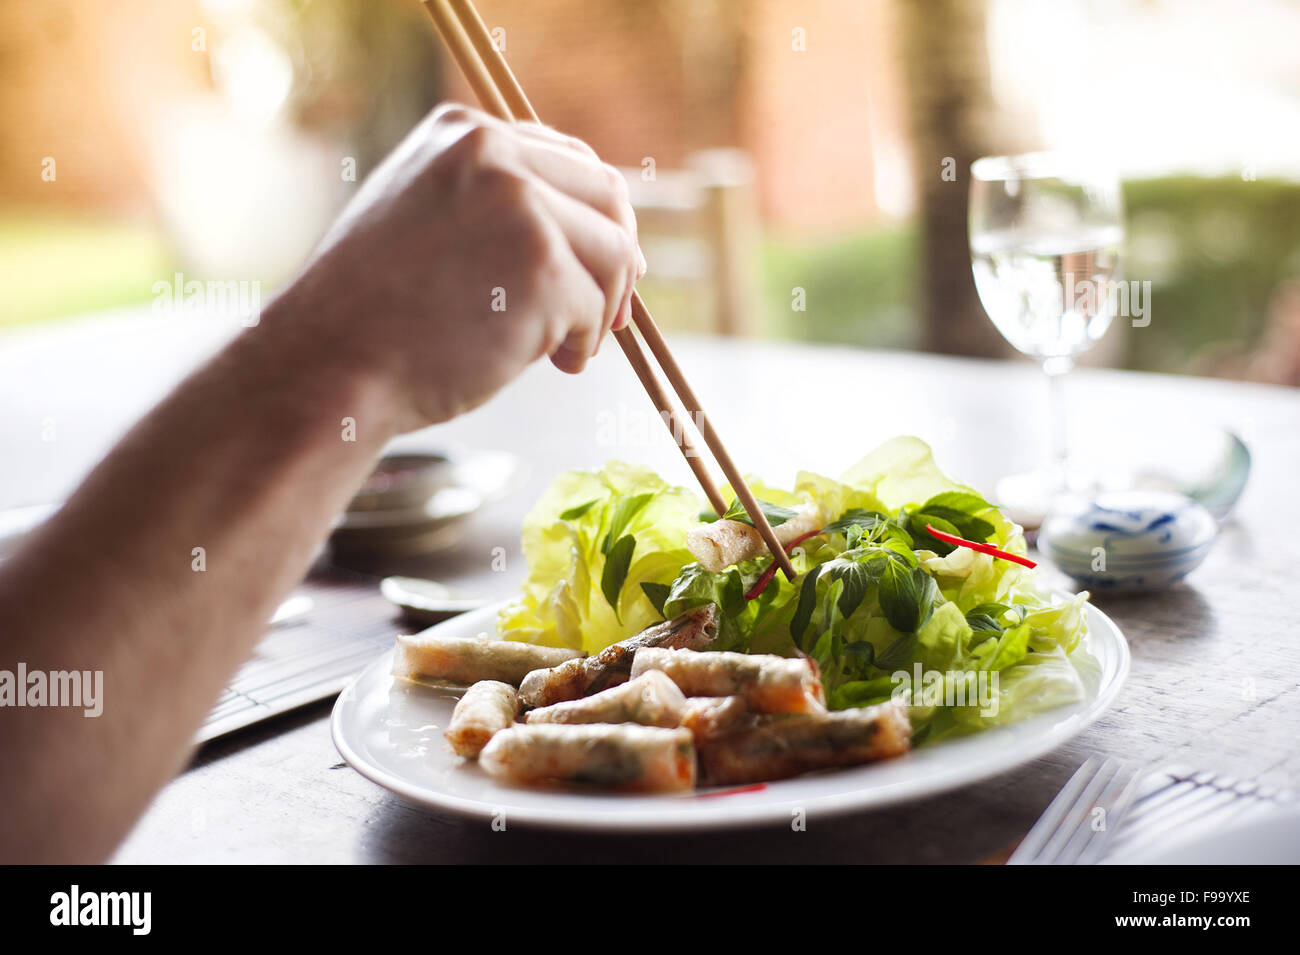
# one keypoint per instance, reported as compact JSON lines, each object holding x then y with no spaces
{"x":907,"y":586}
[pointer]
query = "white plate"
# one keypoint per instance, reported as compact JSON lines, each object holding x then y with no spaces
{"x":391,"y":733}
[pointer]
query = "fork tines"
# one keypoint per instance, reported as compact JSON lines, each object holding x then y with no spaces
{"x":1081,"y":819}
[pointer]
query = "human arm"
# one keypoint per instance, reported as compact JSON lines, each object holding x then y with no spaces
{"x":390,"y":325}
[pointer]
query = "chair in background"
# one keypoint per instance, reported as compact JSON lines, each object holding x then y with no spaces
{"x":698,"y":228}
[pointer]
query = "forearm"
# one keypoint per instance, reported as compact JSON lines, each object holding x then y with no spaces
{"x":398,"y":321}
{"x":247,"y":460}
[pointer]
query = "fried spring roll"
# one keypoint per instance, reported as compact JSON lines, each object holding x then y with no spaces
{"x":620,"y":757}
{"x":777,"y":747}
{"x":487,"y":707}
{"x":651,"y":700}
{"x":768,"y":684}
{"x":422,"y":657}
{"x":719,"y":545}
{"x":710,"y":716}
{"x":696,"y":629}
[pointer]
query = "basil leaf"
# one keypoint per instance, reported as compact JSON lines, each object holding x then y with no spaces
{"x":966,"y":501}
{"x":906,"y":596}
{"x":614,"y":574}
{"x":927,"y":592}
{"x":776,"y":514}
{"x":862,"y":653}
{"x":656,"y":593}
{"x":807,"y":603}
{"x":695,"y":587}
{"x":972,"y":528}
{"x":573,"y":513}
{"x":872,"y":525}
{"x":730,"y":593}
{"x":626,"y":509}
{"x":852,"y":536}
{"x":834,"y":619}
{"x":857,"y":577}
{"x":897,"y":653}
{"x":899,"y":551}
{"x":856,"y":517}
{"x":916,"y":522}
{"x":994,"y":610}
{"x":953,"y":512}
{"x":898,"y":597}
{"x":983,"y":621}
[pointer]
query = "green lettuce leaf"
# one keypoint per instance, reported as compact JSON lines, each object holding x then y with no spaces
{"x":569,"y":537}
{"x":884,"y":607}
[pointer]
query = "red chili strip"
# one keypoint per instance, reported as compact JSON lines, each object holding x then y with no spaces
{"x":982,"y":548}
{"x":761,"y":584}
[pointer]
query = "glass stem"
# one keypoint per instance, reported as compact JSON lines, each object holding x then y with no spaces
{"x":1056,"y":369}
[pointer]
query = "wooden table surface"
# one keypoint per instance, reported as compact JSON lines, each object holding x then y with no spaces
{"x":1215,"y":661}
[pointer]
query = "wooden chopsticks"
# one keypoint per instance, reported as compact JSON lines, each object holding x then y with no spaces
{"x":499,"y":92}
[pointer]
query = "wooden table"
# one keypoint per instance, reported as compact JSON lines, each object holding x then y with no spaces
{"x":1215,"y":662}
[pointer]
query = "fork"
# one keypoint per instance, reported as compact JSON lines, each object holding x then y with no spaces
{"x":1137,"y":811}
{"x":1081,"y":819}
{"x":1178,"y":804}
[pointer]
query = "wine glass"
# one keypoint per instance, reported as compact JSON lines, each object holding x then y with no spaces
{"x":1045,"y":237}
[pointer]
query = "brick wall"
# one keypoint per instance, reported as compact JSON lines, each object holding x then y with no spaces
{"x":665,"y":78}
{"x":80,"y":81}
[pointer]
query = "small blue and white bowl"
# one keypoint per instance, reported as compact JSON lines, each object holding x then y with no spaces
{"x":1129,"y":540}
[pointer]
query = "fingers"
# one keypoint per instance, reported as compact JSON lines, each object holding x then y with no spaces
{"x":570,"y":304}
{"x":603,"y":248}
{"x":567,"y":163}
{"x":589,"y":181}
{"x":564,"y":162}
{"x":577,"y":317}
{"x":572,"y":167}
{"x":585,"y":201}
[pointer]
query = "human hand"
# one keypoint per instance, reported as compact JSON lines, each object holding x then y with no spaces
{"x":474,"y":249}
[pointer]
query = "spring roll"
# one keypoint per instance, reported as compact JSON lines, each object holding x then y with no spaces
{"x":423,"y":657}
{"x":651,"y":700}
{"x":487,"y":707}
{"x":722,"y":543}
{"x":619,"y":757}
{"x":767,"y":684}
{"x":695,"y":629}
{"x":777,"y":747}
{"x":710,"y":716}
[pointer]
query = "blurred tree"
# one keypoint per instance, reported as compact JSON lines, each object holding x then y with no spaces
{"x":950,"y":112}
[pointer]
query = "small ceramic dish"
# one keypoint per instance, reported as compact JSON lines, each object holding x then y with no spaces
{"x":425,"y":602}
{"x":1129,"y":540}
{"x":416,"y":504}
{"x":402,"y":481}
